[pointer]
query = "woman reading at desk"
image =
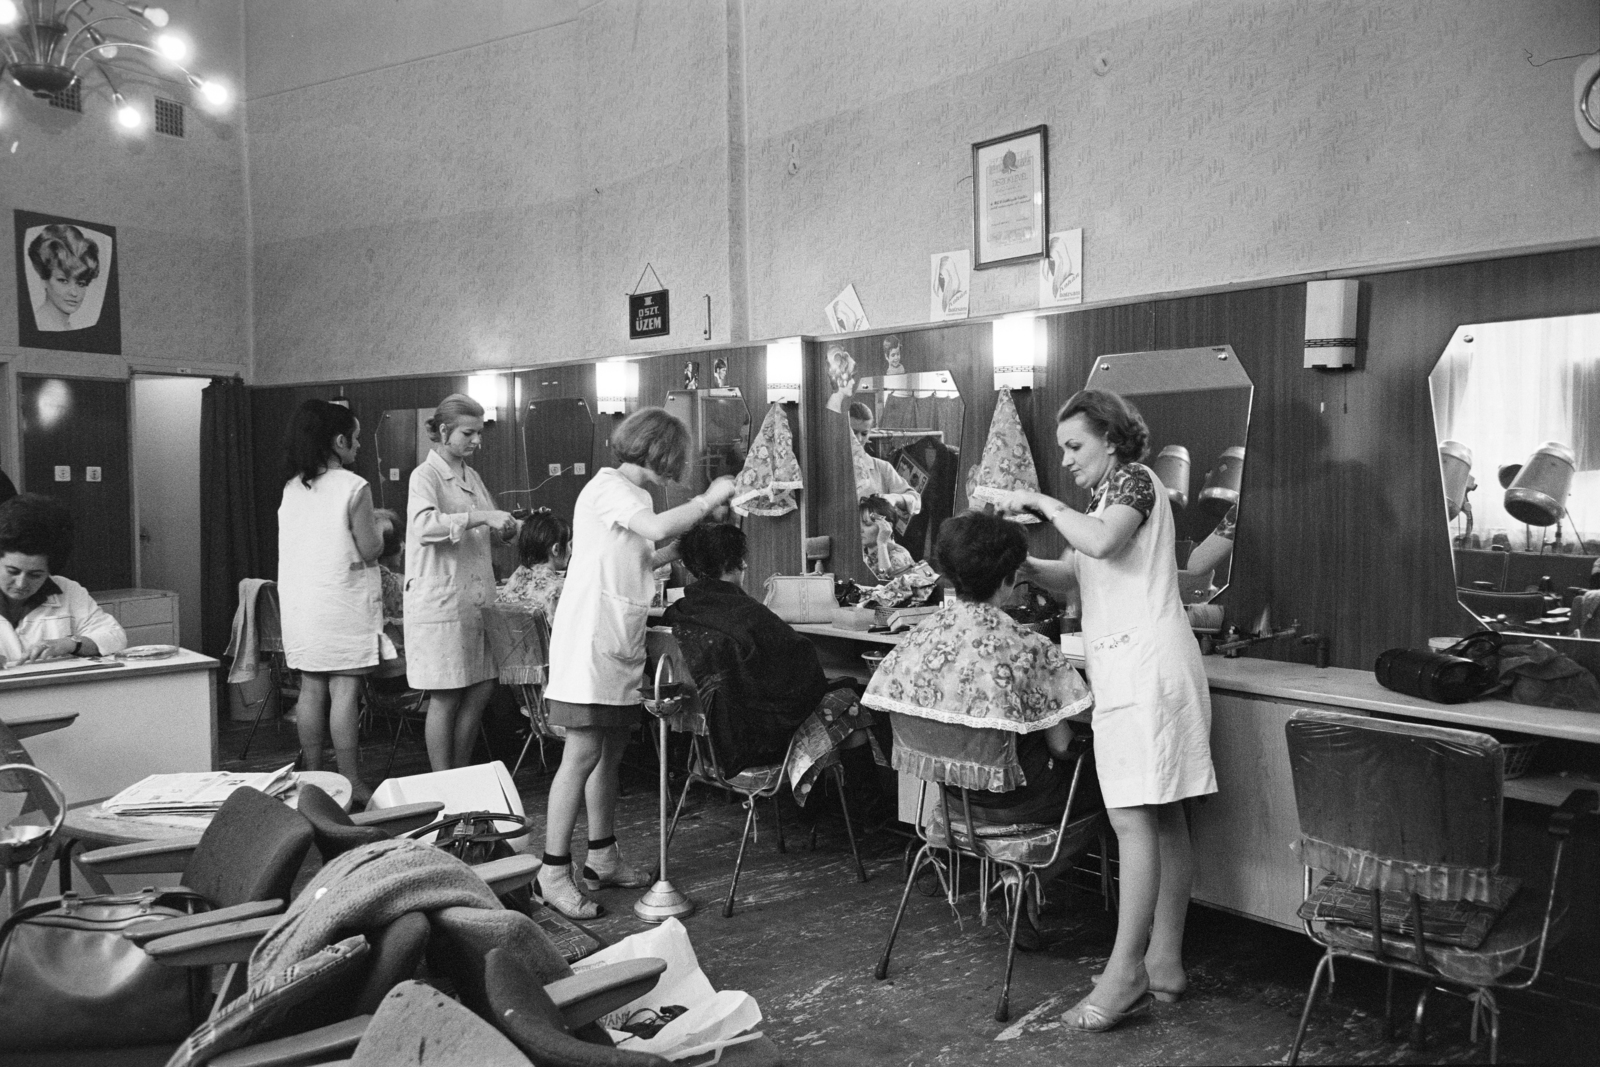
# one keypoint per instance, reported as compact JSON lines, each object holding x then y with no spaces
{"x":45,"y":615}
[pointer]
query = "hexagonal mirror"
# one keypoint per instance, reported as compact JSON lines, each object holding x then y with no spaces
{"x":1514,"y":408}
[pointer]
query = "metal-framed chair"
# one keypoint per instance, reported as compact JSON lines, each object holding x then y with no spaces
{"x":1019,"y":851}
{"x":519,"y":640}
{"x":1406,"y":818}
{"x":269,"y":646}
{"x":707,"y":765}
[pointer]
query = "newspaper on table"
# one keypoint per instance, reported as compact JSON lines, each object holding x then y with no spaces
{"x":195,"y":793}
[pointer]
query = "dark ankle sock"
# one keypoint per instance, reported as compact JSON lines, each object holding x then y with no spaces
{"x":604,"y":842}
{"x":557,"y":861}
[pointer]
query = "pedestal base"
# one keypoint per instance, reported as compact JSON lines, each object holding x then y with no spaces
{"x":663,"y":902}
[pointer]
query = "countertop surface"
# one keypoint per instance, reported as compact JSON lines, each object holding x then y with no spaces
{"x":1340,"y":687}
{"x":106,"y":669}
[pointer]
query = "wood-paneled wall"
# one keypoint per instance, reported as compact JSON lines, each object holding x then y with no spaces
{"x":1341,"y":526}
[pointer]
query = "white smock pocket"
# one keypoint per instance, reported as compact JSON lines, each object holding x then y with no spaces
{"x":619,"y":630}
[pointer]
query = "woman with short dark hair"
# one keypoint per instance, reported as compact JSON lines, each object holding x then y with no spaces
{"x":1152,"y":717}
{"x":44,"y":615}
{"x":597,"y":645}
{"x":329,"y":592}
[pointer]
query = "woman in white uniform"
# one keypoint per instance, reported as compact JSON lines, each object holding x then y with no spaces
{"x":450,"y":521}
{"x":1152,"y":709}
{"x":597,"y":645}
{"x":329,"y":593}
{"x":44,"y":615}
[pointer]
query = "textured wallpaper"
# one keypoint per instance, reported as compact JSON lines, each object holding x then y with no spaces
{"x":492,"y":204}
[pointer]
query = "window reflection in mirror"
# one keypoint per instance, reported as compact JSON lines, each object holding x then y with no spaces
{"x":1514,"y":407}
{"x":1196,"y":402}
{"x":908,"y":427}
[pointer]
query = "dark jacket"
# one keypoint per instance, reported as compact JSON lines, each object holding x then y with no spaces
{"x":758,"y":678}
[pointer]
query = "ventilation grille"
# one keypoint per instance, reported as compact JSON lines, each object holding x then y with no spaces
{"x":69,"y":99}
{"x":169,"y":117}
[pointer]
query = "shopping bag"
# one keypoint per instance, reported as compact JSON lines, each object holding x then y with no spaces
{"x":712,"y":1020}
{"x":483,"y":787}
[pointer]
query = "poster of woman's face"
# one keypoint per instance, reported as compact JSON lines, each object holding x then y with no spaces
{"x":68,"y":298}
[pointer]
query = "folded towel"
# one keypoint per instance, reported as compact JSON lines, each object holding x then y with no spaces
{"x":244,"y":644}
{"x":1007,"y":462}
{"x":771,"y":472}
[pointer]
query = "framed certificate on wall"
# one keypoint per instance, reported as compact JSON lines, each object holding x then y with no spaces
{"x":1010,"y":201}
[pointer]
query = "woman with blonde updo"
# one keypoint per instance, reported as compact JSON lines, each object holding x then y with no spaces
{"x":449,"y":579}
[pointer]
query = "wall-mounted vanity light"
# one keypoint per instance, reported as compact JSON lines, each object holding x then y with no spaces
{"x":783,"y":371}
{"x":615,"y":381}
{"x":1019,"y":348}
{"x":1331,"y":322}
{"x":489,"y":391}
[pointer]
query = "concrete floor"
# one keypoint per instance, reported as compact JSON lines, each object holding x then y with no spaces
{"x":806,"y":935}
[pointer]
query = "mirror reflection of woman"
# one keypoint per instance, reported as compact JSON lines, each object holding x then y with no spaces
{"x":1152,"y":716}
{"x":451,"y":523}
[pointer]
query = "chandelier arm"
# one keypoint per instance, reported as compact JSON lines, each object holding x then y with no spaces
{"x":89,"y":27}
{"x":89,"y":54}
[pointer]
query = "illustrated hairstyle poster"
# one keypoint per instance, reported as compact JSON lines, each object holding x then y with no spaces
{"x":68,"y":298}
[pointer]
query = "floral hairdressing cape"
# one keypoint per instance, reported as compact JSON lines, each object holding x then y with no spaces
{"x":972,"y":664}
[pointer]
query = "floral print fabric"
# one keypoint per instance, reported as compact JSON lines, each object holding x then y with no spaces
{"x":535,"y":588}
{"x":771,"y":473}
{"x":1130,"y":485}
{"x":1007,"y":463}
{"x":972,"y":664}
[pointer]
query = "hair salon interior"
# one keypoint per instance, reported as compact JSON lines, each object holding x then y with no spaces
{"x":1342,"y":257}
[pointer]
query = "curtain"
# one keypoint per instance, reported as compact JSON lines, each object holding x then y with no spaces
{"x":1513,"y":387}
{"x":227,"y":507}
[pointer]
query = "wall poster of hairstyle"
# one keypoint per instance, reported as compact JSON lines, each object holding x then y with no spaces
{"x":68,"y":298}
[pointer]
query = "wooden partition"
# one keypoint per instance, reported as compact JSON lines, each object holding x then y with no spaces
{"x":1341,"y":524}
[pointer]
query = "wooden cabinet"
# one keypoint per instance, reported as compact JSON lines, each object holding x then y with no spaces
{"x":150,"y":616}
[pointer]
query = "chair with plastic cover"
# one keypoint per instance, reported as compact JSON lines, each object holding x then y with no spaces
{"x":1406,"y":819}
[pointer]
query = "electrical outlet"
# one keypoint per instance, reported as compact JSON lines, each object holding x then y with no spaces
{"x":394,"y":474}
{"x":554,"y":469}
{"x":580,"y":469}
{"x":63,"y":474}
{"x":91,"y":474}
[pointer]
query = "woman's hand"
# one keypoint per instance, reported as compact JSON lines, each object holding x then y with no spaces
{"x":500,"y":521}
{"x":56,"y":648}
{"x":719,"y":492}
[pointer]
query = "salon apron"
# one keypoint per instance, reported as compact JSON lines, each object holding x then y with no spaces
{"x":1152,"y":704}
{"x":449,"y":578}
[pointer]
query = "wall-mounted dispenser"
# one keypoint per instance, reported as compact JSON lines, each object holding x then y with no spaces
{"x":1331,"y":323}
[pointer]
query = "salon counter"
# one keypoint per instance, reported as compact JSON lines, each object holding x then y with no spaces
{"x":136,"y":718}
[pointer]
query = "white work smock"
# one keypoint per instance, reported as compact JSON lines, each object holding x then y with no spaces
{"x":449,"y":578}
{"x":66,"y":611}
{"x":330,"y":599}
{"x":1152,"y":703}
{"x":597,"y":637}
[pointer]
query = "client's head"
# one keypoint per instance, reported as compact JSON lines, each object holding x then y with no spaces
{"x":392,"y":529}
{"x":35,"y":541}
{"x":979,"y":553}
{"x":714,"y":550}
{"x":545,"y":538}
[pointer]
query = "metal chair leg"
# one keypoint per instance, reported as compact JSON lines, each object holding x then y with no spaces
{"x":733,"y":886}
{"x":262,"y":710}
{"x":1305,"y":1013}
{"x":882,"y":970}
{"x":777,"y":814}
{"x":673,"y":827}
{"x":1419,"y":1031}
{"x":1388,"y":1004}
{"x":844,"y":806}
{"x":1002,"y":1010}
{"x":1494,"y":1025}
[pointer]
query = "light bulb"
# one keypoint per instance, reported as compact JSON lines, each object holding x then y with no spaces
{"x":127,"y":114}
{"x":156,"y":16}
{"x":8,"y":12}
{"x":108,"y":52}
{"x":214,"y":93}
{"x":173,"y":47}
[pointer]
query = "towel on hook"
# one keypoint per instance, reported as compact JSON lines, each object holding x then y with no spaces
{"x":1007,"y":462}
{"x":771,"y":472}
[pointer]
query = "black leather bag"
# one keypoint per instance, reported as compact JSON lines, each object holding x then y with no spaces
{"x":474,"y":837}
{"x":1436,"y":676}
{"x":69,"y":979}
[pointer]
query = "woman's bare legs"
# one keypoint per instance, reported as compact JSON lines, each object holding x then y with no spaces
{"x":469,"y":721}
{"x":1139,"y":857}
{"x":583,"y":751}
{"x":454,"y":716}
{"x":1163,"y":958}
{"x":600,"y":789}
{"x":313,"y":719}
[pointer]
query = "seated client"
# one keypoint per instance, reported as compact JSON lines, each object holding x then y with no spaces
{"x":544,"y":545}
{"x":770,"y":673}
{"x":45,"y":616}
{"x":972,"y":664}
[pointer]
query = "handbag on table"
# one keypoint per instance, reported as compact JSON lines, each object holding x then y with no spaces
{"x":801,"y":597}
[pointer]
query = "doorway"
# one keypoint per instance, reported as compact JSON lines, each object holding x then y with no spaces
{"x":166,"y":487}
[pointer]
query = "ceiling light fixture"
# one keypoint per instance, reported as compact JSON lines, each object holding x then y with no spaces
{"x":46,"y":47}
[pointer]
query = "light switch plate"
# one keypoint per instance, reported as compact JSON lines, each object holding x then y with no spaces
{"x":580,"y":469}
{"x":554,"y":469}
{"x":91,"y":474}
{"x":63,"y":474}
{"x":394,"y":474}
